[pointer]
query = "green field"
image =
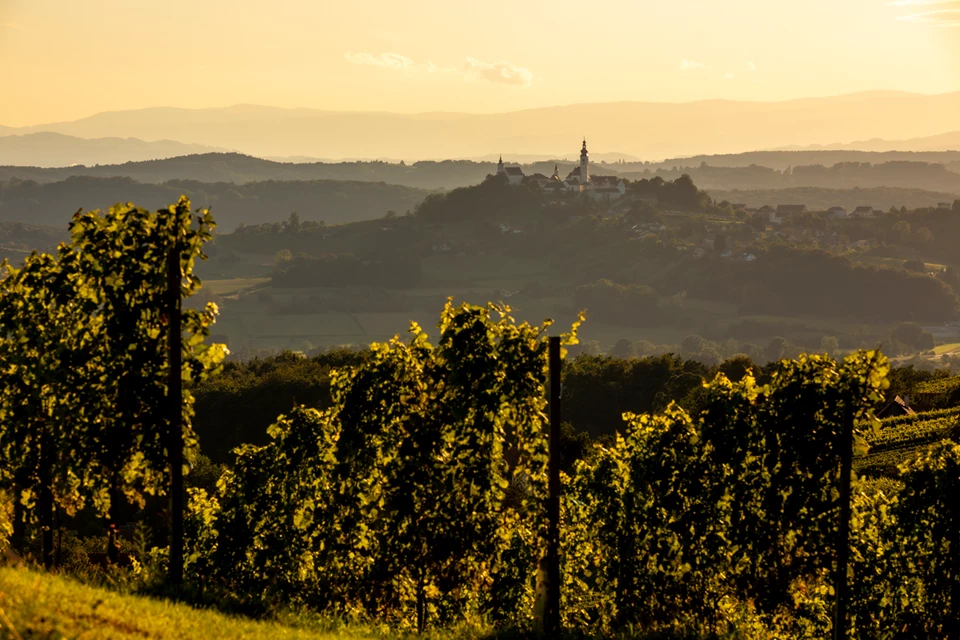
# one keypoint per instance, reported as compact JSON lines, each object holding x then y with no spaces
{"x":233,"y":285}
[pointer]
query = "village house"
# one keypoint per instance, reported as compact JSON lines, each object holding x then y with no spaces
{"x":767,"y":212}
{"x":944,"y":205}
{"x":896,"y":407}
{"x":863,"y":212}
{"x":837,"y":212}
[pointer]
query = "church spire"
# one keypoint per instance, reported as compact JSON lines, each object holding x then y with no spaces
{"x":500,"y":168}
{"x":584,"y":165}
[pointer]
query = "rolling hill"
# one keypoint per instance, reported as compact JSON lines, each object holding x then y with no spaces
{"x":820,"y":199}
{"x":46,"y":149}
{"x":645,"y":129}
{"x":240,"y":169}
{"x":943,"y":142}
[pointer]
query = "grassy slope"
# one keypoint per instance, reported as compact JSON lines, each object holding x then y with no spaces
{"x":40,"y":605}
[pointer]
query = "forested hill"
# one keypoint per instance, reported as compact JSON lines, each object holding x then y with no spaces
{"x":782,"y":159}
{"x":239,"y":168}
{"x":821,"y":199}
{"x":331,"y":201}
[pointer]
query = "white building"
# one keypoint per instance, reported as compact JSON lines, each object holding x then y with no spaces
{"x":580,"y":181}
{"x":514,"y":174}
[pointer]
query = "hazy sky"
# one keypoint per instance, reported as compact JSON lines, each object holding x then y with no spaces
{"x":63,"y":59}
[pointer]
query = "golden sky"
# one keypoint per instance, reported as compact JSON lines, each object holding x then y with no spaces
{"x":65,"y":59}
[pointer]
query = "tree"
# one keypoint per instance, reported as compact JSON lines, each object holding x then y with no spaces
{"x":829,"y":345}
{"x":670,"y":512}
{"x":419,"y":482}
{"x":692,"y":344}
{"x":913,"y":335}
{"x":776,"y":349}
{"x":739,"y":366}
{"x":901,"y":230}
{"x":956,"y":206}
{"x":292,"y":224}
{"x":101,"y":389}
{"x":623,"y":348}
{"x":915,"y":266}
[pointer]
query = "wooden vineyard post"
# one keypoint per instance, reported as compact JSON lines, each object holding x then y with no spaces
{"x":45,"y":499}
{"x":843,"y":532}
{"x":552,"y":613}
{"x":175,"y":434}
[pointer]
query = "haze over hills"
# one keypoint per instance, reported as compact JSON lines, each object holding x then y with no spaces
{"x":943,"y":142}
{"x":646,"y":129}
{"x":829,"y":169}
{"x":47,"y":149}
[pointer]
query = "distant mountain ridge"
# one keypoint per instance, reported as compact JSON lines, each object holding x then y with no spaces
{"x":644,"y":129}
{"x":949,"y":141}
{"x":47,"y":149}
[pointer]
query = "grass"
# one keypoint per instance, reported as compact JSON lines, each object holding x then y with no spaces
{"x":49,"y":606}
{"x":233,"y":285}
{"x":946,"y":348}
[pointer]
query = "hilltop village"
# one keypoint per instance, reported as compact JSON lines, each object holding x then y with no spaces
{"x":579,"y":180}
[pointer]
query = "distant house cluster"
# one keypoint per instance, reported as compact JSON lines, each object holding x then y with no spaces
{"x":579,"y":180}
{"x":785,"y":212}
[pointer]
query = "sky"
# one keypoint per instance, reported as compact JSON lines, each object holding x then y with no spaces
{"x":62,"y":60}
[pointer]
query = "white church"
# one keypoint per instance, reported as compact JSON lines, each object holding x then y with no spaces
{"x":579,"y":180}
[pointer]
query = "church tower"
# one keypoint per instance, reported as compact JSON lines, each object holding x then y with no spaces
{"x":500,"y":168}
{"x":584,"y":166}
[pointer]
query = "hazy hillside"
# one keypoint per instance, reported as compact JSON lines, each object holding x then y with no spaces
{"x":646,"y":129}
{"x":821,"y":199}
{"x":256,"y":202}
{"x":783,"y":159}
{"x":714,"y":172}
{"x":846,"y":175}
{"x":943,"y":142}
{"x":58,"y":150}
{"x":238,"y":168}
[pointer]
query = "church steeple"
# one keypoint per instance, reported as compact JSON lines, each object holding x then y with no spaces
{"x":584,"y":164}
{"x":500,"y":168}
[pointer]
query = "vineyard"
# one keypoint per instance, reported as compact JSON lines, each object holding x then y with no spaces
{"x":418,"y":500}
{"x":900,"y":439}
{"x":939,"y":392}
